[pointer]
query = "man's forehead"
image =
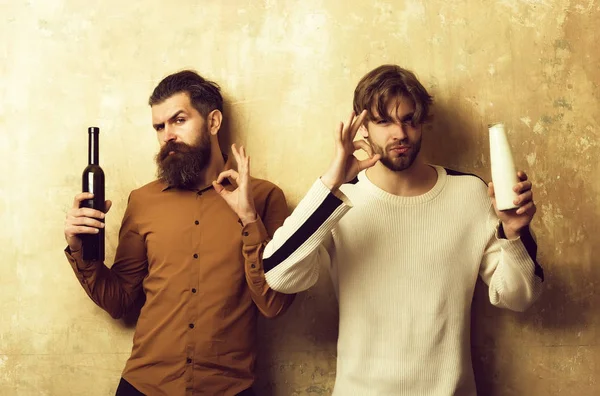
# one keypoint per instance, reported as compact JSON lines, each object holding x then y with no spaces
{"x":396,"y":107}
{"x":171,"y":106}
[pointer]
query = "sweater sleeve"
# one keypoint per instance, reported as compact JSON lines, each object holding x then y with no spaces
{"x":510,"y":268}
{"x":291,"y":260}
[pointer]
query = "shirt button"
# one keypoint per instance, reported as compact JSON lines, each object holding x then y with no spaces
{"x":194,"y":290}
{"x":191,"y":325}
{"x":188,"y":360}
{"x":252,"y":266}
{"x":245,"y":233}
{"x":196,"y":222}
{"x":195,"y":255}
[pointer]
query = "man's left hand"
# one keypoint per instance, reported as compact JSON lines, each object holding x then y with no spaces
{"x":515,"y":220}
{"x":240,"y":199}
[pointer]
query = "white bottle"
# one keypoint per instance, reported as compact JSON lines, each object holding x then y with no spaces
{"x":504,"y":174}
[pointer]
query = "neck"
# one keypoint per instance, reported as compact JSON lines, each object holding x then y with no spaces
{"x":415,"y":180}
{"x":215,"y":166}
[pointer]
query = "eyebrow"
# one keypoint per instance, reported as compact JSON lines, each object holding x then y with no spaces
{"x":405,"y":118}
{"x":408,"y":117}
{"x":162,"y":124}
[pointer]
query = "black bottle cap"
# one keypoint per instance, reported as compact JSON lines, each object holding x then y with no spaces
{"x":93,"y":130}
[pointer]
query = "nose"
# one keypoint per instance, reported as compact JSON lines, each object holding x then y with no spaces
{"x":169,"y":134}
{"x":399,"y":131}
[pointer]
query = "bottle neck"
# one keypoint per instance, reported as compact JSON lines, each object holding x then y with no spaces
{"x":93,"y":147}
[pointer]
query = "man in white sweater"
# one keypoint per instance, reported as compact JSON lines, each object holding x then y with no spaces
{"x":405,"y":242}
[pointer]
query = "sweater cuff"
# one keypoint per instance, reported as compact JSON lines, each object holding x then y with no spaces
{"x":515,"y":249}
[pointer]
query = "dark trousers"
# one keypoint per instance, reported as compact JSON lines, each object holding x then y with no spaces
{"x":126,"y":389}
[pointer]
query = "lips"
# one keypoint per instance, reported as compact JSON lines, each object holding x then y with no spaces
{"x":399,"y":149}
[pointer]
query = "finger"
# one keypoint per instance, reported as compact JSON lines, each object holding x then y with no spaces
{"x":524,"y":198}
{"x":522,"y":186}
{"x":358,"y":121}
{"x":84,"y":221}
{"x":347,"y":125}
{"x":228,"y":173}
{"x":522,"y":175}
{"x":350,"y":118}
{"x":248,"y":165}
{"x":86,"y":212}
{"x":243,"y":170}
{"x":356,"y":124}
{"x":75,"y":230}
{"x":491,"y":192}
{"x":363,"y":145}
{"x":235,"y":153}
{"x":365,"y":164}
{"x":338,"y":133}
{"x":529,"y":208}
{"x":81,"y":197}
{"x":219,"y":188}
{"x":243,"y":158}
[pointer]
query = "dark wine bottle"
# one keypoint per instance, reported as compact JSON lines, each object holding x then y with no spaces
{"x":93,"y":181}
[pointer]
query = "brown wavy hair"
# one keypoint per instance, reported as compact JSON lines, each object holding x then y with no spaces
{"x":386,"y":82}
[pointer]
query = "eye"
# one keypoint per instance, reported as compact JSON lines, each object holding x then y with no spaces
{"x":180,"y":120}
{"x":381,"y":122}
{"x":159,"y":128}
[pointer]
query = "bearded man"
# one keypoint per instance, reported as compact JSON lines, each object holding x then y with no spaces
{"x":189,"y":243}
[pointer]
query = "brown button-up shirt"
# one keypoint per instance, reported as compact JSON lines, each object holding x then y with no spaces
{"x":203,"y":283}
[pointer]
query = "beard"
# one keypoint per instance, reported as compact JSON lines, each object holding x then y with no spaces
{"x":184,"y":167}
{"x":397,"y":163}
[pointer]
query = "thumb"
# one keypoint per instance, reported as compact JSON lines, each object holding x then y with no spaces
{"x":491,"y":192}
{"x":369,"y":162}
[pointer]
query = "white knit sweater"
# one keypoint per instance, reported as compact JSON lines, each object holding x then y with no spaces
{"x":404,"y":269}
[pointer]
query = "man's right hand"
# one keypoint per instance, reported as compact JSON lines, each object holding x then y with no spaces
{"x":82,"y":221}
{"x":345,"y":166}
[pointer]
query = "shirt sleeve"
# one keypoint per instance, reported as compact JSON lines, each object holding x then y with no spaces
{"x":510,"y":268}
{"x":115,"y":289}
{"x":255,"y":237}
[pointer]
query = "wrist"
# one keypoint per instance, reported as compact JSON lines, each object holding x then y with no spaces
{"x":74,"y":245}
{"x":329,"y":183}
{"x":510,"y":233}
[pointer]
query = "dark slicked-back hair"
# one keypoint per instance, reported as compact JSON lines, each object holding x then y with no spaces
{"x":204,"y":95}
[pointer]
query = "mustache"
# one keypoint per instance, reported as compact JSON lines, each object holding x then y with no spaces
{"x":176,"y":147}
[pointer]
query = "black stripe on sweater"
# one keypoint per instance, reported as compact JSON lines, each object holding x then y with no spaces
{"x":526,"y":236}
{"x":312,"y":224}
{"x":530,"y":246}
{"x":452,"y":172}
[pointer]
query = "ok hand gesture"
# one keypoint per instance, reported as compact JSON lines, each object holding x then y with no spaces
{"x":345,"y":166}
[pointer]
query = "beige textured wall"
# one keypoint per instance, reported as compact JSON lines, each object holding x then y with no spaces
{"x":288,"y":70}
